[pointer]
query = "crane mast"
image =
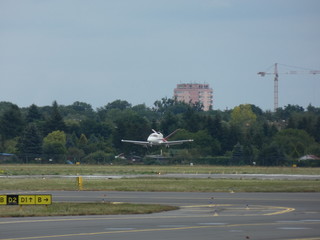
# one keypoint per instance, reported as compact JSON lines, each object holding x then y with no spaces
{"x":276,"y":81}
{"x":275,"y":87}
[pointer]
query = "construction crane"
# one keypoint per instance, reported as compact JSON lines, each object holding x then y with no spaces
{"x":276,"y":80}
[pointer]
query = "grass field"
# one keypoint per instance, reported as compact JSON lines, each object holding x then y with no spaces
{"x":68,"y":209}
{"x":64,"y":169}
{"x":161,"y":185}
{"x":41,"y":182}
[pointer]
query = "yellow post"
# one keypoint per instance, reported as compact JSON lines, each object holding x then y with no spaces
{"x":80,"y":183}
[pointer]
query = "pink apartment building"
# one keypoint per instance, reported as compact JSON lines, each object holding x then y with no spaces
{"x":195,"y":92}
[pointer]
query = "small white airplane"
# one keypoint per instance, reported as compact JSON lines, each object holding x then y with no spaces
{"x":156,"y":138}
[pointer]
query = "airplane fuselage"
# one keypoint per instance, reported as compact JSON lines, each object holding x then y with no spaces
{"x":156,"y":139}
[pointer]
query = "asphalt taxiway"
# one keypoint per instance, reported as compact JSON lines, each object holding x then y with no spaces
{"x":201,"y":216}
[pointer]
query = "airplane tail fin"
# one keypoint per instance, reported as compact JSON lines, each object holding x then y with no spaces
{"x":154,"y":131}
{"x":174,"y":132}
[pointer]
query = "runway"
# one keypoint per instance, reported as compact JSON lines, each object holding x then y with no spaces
{"x":201,"y":216}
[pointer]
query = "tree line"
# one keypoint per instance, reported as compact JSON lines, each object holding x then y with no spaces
{"x":244,"y":135}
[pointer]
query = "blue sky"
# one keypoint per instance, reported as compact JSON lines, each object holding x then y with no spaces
{"x":98,"y":51}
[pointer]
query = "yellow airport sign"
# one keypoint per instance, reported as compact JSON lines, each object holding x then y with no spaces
{"x":26,"y":199}
{"x":12,"y":199}
{"x":44,"y":199}
{"x":3,"y":199}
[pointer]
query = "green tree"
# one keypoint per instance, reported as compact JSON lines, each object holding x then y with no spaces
{"x":33,"y":114}
{"x":317,"y":130}
{"x":232,"y":137}
{"x":214,"y":126}
{"x":294,"y":142}
{"x":10,"y":146}
{"x":118,"y":105}
{"x":83,"y":142}
{"x":55,"y":121}
{"x":30,"y":143}
{"x":5,"y":106}
{"x":162,"y":106}
{"x":192,"y":120}
{"x":75,"y":154}
{"x":54,"y":144}
{"x":243,"y":116}
{"x":204,"y":143}
{"x":313,"y":109}
{"x":99,"y":157}
{"x":169,"y":123}
{"x":130,"y":126}
{"x":91,"y":126}
{"x":243,"y":119}
{"x":237,"y":154}
{"x":272,"y":155}
{"x":11,"y":123}
{"x":287,"y":111}
{"x":55,"y":136}
{"x":82,"y":108}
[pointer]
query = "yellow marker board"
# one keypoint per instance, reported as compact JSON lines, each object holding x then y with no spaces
{"x":26,"y":199}
{"x":43,"y":199}
{"x":3,"y":199}
{"x":12,"y":200}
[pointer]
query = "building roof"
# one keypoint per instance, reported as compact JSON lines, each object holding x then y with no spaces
{"x":309,"y":157}
{"x":6,"y":154}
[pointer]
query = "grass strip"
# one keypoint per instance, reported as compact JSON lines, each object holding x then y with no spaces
{"x":77,"y":209}
{"x":64,"y":169}
{"x":161,"y":185}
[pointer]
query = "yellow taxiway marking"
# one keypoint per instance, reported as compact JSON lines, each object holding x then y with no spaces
{"x":306,"y":238}
{"x":207,"y":205}
{"x":280,"y":210}
{"x":105,"y":218}
{"x":155,"y":230}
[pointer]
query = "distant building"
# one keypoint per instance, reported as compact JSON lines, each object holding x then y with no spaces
{"x":195,"y":92}
{"x":309,"y":157}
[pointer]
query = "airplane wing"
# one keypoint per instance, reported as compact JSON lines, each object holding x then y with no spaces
{"x":169,"y":143}
{"x":143,"y":143}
